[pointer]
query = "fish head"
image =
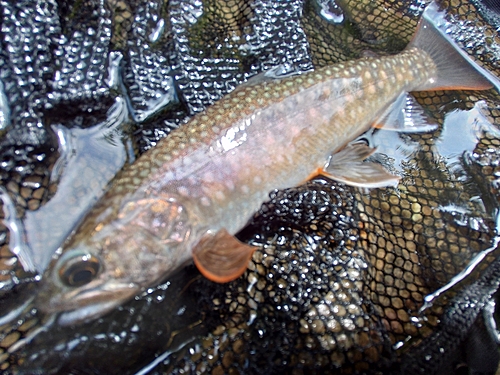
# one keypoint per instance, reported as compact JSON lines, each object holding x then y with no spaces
{"x":126,"y":250}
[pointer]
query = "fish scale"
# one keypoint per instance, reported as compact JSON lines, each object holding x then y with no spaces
{"x":305,"y":123}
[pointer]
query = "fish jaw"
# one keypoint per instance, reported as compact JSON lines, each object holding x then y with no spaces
{"x":87,"y":304}
{"x":145,"y":241}
{"x":81,"y":303}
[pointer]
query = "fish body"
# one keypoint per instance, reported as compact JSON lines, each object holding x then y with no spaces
{"x":188,"y":196}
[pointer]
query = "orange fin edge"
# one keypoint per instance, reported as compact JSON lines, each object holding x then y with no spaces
{"x":348,"y":166}
{"x":220,"y":257}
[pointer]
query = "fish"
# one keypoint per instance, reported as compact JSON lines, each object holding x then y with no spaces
{"x":185,"y":199}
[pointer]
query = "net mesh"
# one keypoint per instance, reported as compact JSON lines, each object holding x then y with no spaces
{"x":340,"y":274}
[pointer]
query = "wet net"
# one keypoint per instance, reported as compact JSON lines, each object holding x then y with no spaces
{"x":344,"y":280}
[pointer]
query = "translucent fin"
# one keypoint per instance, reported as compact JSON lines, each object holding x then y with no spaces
{"x":406,"y":115}
{"x":347,"y":166}
{"x":456,"y":69}
{"x":221,"y":257}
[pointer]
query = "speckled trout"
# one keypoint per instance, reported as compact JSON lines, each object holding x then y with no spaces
{"x":186,"y":198}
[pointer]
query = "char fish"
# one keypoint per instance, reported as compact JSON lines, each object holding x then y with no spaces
{"x":186,"y":198}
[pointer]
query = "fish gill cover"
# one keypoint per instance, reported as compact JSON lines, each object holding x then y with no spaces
{"x":344,"y":281}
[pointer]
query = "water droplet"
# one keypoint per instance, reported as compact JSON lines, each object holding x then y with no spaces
{"x":330,"y":11}
{"x":158,"y":31}
{"x":134,"y":328}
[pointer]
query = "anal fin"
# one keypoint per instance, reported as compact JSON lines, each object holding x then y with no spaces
{"x":347,"y":166}
{"x":220,"y":257}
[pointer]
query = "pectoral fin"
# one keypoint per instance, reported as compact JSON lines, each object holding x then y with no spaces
{"x":347,"y":166}
{"x":220,"y":257}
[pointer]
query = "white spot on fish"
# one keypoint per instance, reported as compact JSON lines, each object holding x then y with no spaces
{"x":280,"y":158}
{"x":208,"y":177}
{"x":219,"y":195}
{"x":205,"y":201}
{"x":229,"y":184}
{"x":182,"y":190}
{"x":371,"y":89}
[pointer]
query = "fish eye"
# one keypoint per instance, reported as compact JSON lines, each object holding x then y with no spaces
{"x":79,"y":270}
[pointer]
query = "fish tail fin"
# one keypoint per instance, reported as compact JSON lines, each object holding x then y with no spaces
{"x":455,"y":68}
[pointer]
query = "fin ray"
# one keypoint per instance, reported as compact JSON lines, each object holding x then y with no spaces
{"x":456,"y":69}
{"x":220,"y":257}
{"x":405,"y":114}
{"x":347,"y":166}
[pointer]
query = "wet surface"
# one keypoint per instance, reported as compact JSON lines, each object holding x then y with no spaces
{"x":341,"y":276}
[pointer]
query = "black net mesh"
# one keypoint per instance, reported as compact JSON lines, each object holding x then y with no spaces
{"x":340,"y":278}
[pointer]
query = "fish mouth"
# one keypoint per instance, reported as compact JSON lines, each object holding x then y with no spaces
{"x":81,"y":306}
{"x":86,"y":314}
